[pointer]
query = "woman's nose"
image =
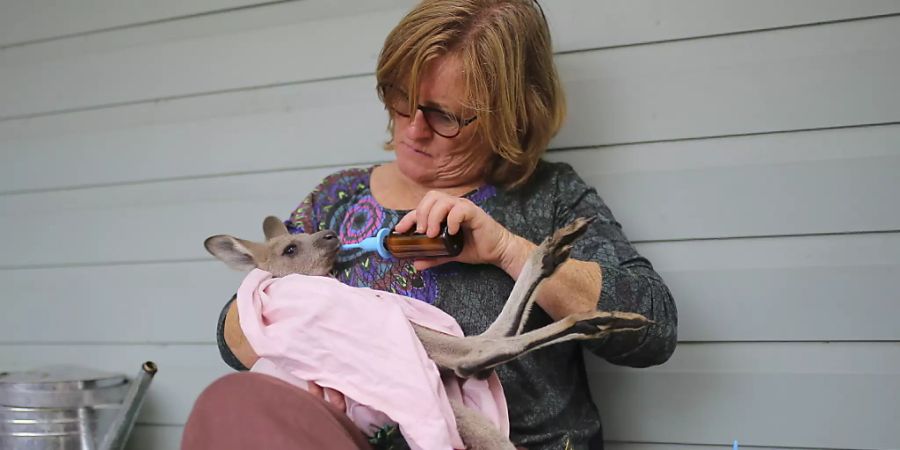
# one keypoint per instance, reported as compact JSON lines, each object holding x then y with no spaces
{"x":418,"y":128}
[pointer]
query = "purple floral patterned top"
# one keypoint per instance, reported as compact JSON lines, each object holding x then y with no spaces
{"x":343,"y":203}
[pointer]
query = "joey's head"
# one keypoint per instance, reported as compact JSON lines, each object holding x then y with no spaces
{"x":282,"y":253}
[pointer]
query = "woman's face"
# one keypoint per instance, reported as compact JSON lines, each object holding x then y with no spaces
{"x":426,"y":157}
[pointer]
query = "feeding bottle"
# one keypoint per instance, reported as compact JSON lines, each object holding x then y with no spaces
{"x":391,"y":244}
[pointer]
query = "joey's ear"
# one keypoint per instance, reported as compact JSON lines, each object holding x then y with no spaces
{"x":274,"y":227}
{"x":236,"y":253}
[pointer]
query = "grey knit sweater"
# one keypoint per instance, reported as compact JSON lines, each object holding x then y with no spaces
{"x":547,"y":391}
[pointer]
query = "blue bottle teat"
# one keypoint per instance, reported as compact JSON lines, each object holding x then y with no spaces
{"x":372,"y":244}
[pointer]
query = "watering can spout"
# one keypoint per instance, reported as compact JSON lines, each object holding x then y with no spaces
{"x":118,"y":431}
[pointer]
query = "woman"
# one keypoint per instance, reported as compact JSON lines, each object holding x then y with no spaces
{"x":473,"y":99}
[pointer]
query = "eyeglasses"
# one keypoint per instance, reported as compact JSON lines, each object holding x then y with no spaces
{"x":443,"y":123}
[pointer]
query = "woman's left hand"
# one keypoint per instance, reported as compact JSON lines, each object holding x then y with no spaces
{"x":486,"y":241}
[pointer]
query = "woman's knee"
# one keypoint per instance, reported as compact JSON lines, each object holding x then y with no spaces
{"x":254,"y":406}
{"x":239,"y":388}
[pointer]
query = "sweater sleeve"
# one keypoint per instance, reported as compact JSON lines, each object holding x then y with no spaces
{"x":629,"y":282}
{"x":224,"y":351}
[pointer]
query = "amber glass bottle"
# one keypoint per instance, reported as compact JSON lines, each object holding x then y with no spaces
{"x":414,"y":245}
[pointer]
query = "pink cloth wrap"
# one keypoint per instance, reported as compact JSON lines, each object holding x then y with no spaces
{"x":360,"y":342}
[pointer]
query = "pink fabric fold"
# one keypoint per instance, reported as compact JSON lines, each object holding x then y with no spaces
{"x":360,"y":342}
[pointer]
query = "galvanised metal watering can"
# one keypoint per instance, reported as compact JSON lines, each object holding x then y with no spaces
{"x":70,"y":408}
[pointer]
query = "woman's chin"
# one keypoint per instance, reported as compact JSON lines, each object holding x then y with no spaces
{"x":415,"y":171}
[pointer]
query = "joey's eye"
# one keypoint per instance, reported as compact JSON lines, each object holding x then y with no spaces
{"x":290,"y":250}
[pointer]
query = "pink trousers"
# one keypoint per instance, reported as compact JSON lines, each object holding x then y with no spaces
{"x":254,"y":411}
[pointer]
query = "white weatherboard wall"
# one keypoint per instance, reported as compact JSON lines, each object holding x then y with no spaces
{"x":751,"y":150}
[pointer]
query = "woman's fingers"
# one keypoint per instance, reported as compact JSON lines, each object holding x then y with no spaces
{"x":406,"y":222}
{"x":335,"y":398}
{"x":329,"y":395}
{"x":429,"y":214}
{"x":484,"y":235}
{"x":315,"y":389}
{"x":423,"y":210}
{"x":457,"y":216}
{"x":437,"y":215}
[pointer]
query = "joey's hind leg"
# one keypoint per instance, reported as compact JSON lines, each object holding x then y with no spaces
{"x":476,"y":431}
{"x":489,"y":353}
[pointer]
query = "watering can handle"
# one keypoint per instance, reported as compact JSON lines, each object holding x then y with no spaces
{"x":117,"y":434}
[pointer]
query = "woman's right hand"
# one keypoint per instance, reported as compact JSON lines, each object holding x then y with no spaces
{"x":329,"y":395}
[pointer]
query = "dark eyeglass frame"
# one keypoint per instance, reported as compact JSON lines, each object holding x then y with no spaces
{"x":427,"y":112}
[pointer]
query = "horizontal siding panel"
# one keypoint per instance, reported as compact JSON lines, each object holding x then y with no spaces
{"x":30,"y":20}
{"x":275,"y":55}
{"x":691,"y":199}
{"x":134,"y":302}
{"x":145,"y":222}
{"x":579,"y":24}
{"x":819,"y":288}
{"x":839,"y":395}
{"x":798,"y":183}
{"x":269,"y":15}
{"x":801,"y":78}
{"x":633,"y":94}
{"x":249,"y":21}
{"x":273,"y":129}
{"x":608,"y":445}
{"x":783,"y":289}
{"x":100,"y":72}
{"x":155,"y":437}
{"x":575,"y":24}
{"x":814,"y":395}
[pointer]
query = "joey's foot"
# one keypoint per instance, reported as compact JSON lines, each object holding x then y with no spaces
{"x":555,"y":249}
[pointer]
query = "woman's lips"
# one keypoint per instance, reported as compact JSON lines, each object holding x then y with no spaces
{"x":415,"y":150}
